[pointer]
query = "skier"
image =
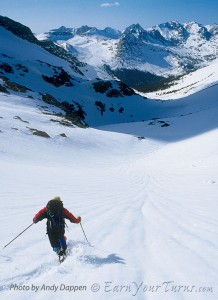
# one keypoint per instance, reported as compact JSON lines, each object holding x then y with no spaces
{"x":55,"y":214}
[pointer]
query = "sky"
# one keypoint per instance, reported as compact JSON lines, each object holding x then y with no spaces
{"x":43,"y":15}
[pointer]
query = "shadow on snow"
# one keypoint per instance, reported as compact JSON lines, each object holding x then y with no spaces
{"x":82,"y":249}
{"x":174,"y":120}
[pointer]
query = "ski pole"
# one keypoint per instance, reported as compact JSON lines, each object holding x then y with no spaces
{"x":18,"y":235}
{"x":84,"y":232}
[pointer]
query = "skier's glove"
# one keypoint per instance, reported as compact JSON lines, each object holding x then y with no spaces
{"x":34,"y":220}
{"x":79,"y":219}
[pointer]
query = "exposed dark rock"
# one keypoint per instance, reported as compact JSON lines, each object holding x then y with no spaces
{"x":102,"y":86}
{"x":14,"y":86}
{"x":3,"y":89}
{"x":79,"y":110}
{"x":165,"y":125}
{"x":5,"y":55}
{"x":39,"y":133}
{"x":125,"y":90}
{"x":100,"y":106}
{"x":47,"y":98}
{"x":22,"y":68}
{"x":113,"y":93}
{"x":63,"y":122}
{"x":71,"y":113}
{"x":63,"y":135}
{"x":19,"y":118}
{"x":107,"y":88}
{"x":161,"y":123}
{"x":6,"y":68}
{"x":63,"y":78}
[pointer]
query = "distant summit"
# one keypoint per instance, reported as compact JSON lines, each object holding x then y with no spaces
{"x":173,"y":32}
{"x":198,"y":30}
{"x":134,"y":29}
{"x":64,"y":34}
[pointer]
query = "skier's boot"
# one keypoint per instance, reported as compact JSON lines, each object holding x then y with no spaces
{"x":62,"y":255}
{"x":56,"y":250}
{"x":62,"y":252}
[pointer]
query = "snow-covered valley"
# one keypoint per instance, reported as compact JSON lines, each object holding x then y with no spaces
{"x":147,"y":194}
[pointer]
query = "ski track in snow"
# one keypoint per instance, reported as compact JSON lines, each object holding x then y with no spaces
{"x":149,"y":209}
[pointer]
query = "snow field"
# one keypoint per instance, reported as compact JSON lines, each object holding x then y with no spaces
{"x":148,"y":207}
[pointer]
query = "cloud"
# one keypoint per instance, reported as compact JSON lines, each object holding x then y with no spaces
{"x":110,"y":4}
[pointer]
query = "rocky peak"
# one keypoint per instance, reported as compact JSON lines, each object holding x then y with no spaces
{"x":113,"y":33}
{"x":62,"y":29}
{"x":197,"y":30}
{"x":173,"y":32}
{"x":85,"y":30}
{"x":156,"y":37}
{"x":18,"y":29}
{"x":134,"y":29}
{"x":62,"y":33}
{"x":213,"y":29}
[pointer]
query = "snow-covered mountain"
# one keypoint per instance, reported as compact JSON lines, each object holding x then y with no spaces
{"x":143,"y":59}
{"x":42,"y":70}
{"x":64,"y":33}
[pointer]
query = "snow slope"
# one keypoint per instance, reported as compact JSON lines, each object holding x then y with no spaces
{"x":189,"y":84}
{"x":147,"y":194}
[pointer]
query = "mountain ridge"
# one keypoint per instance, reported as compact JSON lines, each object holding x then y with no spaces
{"x":167,"y":50}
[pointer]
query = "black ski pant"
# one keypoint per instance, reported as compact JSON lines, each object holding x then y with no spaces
{"x":56,"y":238}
